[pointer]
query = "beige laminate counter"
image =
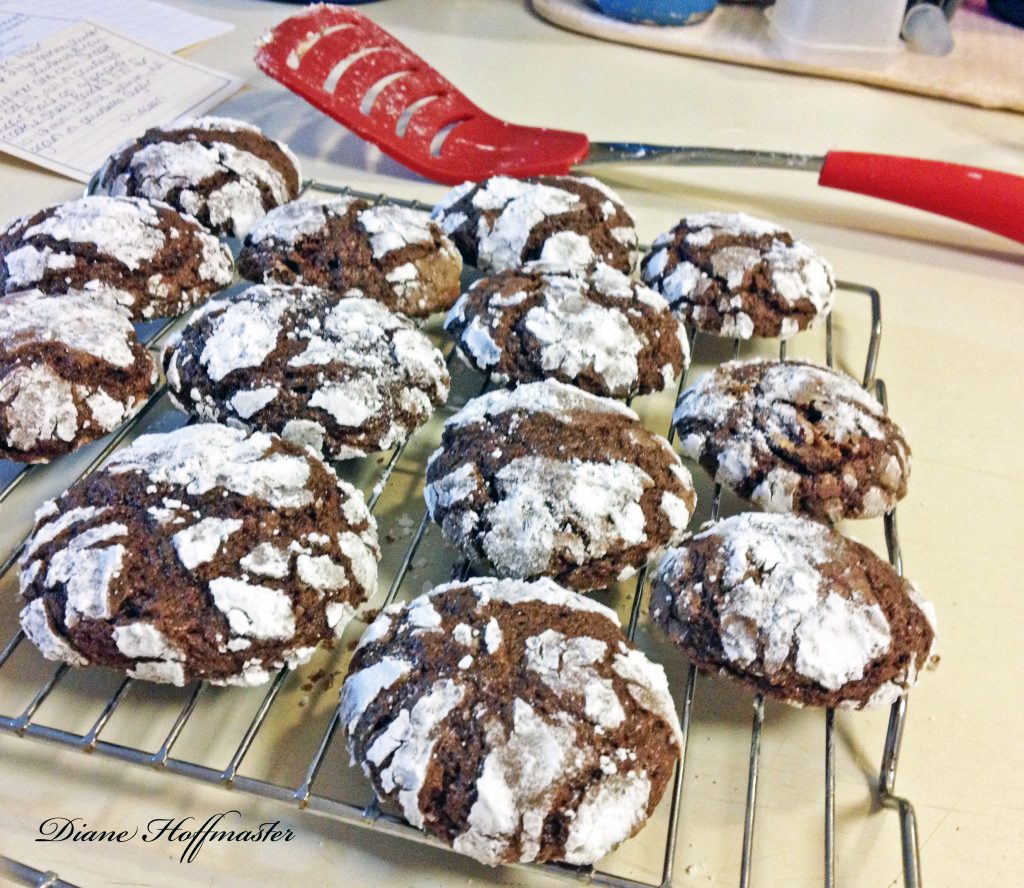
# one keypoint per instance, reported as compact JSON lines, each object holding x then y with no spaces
{"x":953,"y":306}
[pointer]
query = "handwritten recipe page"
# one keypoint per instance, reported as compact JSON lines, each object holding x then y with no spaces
{"x":67,"y":101}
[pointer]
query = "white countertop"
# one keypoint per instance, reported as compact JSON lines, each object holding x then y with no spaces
{"x":953,"y":306}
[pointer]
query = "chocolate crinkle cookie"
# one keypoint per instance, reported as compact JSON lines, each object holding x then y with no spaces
{"x":594,"y":328}
{"x":796,"y":611}
{"x":71,"y":370}
{"x":389,"y":253}
{"x":502,"y":222}
{"x":548,"y":480}
{"x":345,"y":377}
{"x":733,"y":275}
{"x":791,"y":436}
{"x":202,"y":553}
{"x":224,"y":172}
{"x":160,"y":262}
{"x":512,"y":720}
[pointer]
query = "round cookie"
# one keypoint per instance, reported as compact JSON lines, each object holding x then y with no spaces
{"x":161,"y":262}
{"x":594,"y":328}
{"x":202,"y":553}
{"x":791,"y":436}
{"x":503,"y":223}
{"x":346,"y":376}
{"x":548,"y":480}
{"x":795,"y":610}
{"x":389,"y":253}
{"x":733,"y":275}
{"x":512,"y":720}
{"x":224,"y":172}
{"x":71,"y":370}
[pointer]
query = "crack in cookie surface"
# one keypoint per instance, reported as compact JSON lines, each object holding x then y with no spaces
{"x":795,"y":436}
{"x":733,"y":275}
{"x":594,"y":328}
{"x":795,"y":610}
{"x":548,"y":480}
{"x":203,"y":553}
{"x":512,"y":720}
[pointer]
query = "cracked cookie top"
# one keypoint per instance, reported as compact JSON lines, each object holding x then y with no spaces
{"x":395,"y":255}
{"x":203,"y":553}
{"x":71,"y":370}
{"x":503,"y":223}
{"x":159,"y":262}
{"x":594,"y":328}
{"x":795,"y":610}
{"x":512,"y":720}
{"x":224,"y":172}
{"x":733,"y":275}
{"x":345,"y":376}
{"x":791,"y":436}
{"x":548,"y":480}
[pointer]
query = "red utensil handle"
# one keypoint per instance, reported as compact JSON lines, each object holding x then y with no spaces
{"x":985,"y":198}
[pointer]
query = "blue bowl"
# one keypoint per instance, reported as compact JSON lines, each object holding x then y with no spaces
{"x":657,"y":12}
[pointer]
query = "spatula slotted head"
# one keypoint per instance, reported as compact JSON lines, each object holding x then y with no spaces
{"x":357,"y":73}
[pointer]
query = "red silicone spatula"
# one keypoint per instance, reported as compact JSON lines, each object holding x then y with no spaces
{"x":357,"y":73}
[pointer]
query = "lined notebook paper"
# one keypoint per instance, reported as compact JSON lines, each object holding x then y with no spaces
{"x":69,"y":100}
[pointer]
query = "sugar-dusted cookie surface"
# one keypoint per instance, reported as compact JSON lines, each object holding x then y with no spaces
{"x":548,"y":480}
{"x":71,"y":370}
{"x":202,"y":553}
{"x":734,"y":275}
{"x":224,"y":172}
{"x":791,"y":436}
{"x":795,"y":610}
{"x":393,"y":254}
{"x":503,"y":222}
{"x":163,"y":263}
{"x":593,"y":328}
{"x":346,"y":376}
{"x":512,"y":720}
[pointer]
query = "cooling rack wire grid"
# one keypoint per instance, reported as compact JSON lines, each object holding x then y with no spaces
{"x":403,"y":469}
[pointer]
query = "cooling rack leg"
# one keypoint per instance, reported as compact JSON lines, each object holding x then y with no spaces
{"x":830,"y":798}
{"x":686,"y":712}
{"x":888,"y":798}
{"x":748,"y":820}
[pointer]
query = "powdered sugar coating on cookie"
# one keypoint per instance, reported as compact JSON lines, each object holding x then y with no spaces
{"x":224,"y":172}
{"x":214,"y":555}
{"x":504,"y":222}
{"x":71,"y":370}
{"x":794,"y":608}
{"x":547,"y":480}
{"x":734,"y":275}
{"x":586,"y":731}
{"x":164,"y":261}
{"x":297,"y":219}
{"x":368,"y":377}
{"x":555,"y":398}
{"x":594,"y":328}
{"x":390,"y":253}
{"x":795,"y":436}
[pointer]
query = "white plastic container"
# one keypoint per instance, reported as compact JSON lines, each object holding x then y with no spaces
{"x":838,"y":32}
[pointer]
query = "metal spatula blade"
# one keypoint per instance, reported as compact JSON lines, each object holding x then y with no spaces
{"x":360,"y":75}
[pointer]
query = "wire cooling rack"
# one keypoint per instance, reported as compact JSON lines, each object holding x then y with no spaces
{"x":399,"y":472}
